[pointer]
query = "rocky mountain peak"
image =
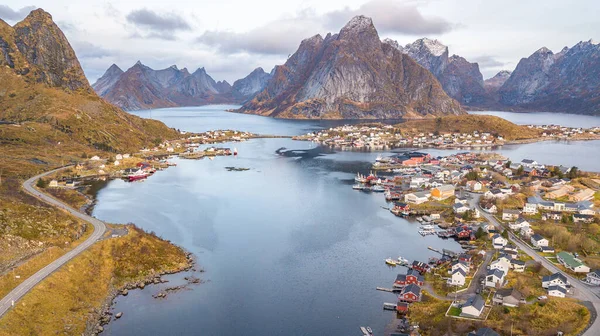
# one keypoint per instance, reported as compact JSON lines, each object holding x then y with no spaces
{"x":393,"y":43}
{"x":113,"y":69}
{"x":358,"y":24}
{"x":498,"y":80}
{"x":434,"y":47}
{"x":50,"y":57}
{"x":543,"y":50}
{"x":174,"y":67}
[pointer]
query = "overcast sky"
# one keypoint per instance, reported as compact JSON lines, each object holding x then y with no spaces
{"x":232,"y":37}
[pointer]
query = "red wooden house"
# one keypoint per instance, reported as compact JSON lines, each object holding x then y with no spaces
{"x":410,"y":293}
{"x":467,"y":258}
{"x":411,"y":277}
{"x":419,"y":266}
{"x":402,"y":307}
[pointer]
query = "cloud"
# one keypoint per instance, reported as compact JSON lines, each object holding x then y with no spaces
{"x":282,"y":36}
{"x":486,"y":61}
{"x":278,"y":37}
{"x":158,"y":23}
{"x":391,"y":16}
{"x":88,"y":50}
{"x":10,"y":14}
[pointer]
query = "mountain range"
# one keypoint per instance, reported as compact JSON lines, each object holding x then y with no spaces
{"x":141,"y":87}
{"x":337,"y":77}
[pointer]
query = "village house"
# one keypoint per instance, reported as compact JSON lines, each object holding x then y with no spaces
{"x":519,"y":224}
{"x":510,"y":214}
{"x":547,"y":249}
{"x":495,"y":194}
{"x":410,"y":293}
{"x":529,"y":163}
{"x":572,"y":263}
{"x":530,"y":208}
{"x":466,"y":258}
{"x":526,"y":231}
{"x":458,"y":277}
{"x":498,"y":241}
{"x":579,"y":218}
{"x":483,"y":332}
{"x":417,"y":197}
{"x":461,"y":200}
{"x":554,"y":279}
{"x":557,"y":291}
{"x":593,"y":278}
{"x":494,"y":277}
{"x":460,"y":208}
{"x":457,"y":264}
{"x":442,"y":192}
{"x":474,"y":186}
{"x":419,"y":266}
{"x":490,"y":208}
{"x":538,"y":241}
{"x":411,"y":277}
{"x":501,"y":265}
{"x":53,"y":184}
{"x":517,"y":265}
{"x":473,"y":307}
{"x":509,"y":297}
{"x":507,"y":258}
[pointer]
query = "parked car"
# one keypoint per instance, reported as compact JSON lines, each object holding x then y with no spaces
{"x":543,"y":297}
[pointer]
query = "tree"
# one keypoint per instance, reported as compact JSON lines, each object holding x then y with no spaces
{"x":573,"y":173}
{"x":505,"y":234}
{"x":472,"y":176}
{"x":468,"y":215}
{"x":507,"y":164}
{"x":479,"y":233}
{"x":41,"y":183}
{"x":520,"y":170}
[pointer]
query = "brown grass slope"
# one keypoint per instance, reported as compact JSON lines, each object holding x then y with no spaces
{"x":469,"y":124}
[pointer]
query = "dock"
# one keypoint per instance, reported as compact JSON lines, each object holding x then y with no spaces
{"x":389,"y":306}
{"x":434,"y":249}
{"x":384,"y":289}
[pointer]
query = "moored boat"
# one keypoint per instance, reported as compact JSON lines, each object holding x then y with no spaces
{"x":137,"y":175}
{"x":391,"y":262}
{"x":378,"y":188}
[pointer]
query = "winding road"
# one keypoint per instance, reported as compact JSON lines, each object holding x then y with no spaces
{"x":99,"y":228}
{"x":580,"y":290}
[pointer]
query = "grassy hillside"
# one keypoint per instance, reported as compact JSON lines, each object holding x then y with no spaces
{"x":469,"y":124}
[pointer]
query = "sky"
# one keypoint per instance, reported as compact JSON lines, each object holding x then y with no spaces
{"x":230,"y":38}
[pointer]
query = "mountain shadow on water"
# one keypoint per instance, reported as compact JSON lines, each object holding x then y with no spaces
{"x":304,"y":153}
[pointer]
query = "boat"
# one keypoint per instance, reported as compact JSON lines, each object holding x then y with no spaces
{"x":378,"y":188}
{"x":235,"y":151}
{"x":360,"y":178}
{"x":370,"y":331}
{"x":428,"y":227}
{"x":364,"y":331}
{"x":391,"y":262}
{"x":402,"y":261}
{"x":358,"y":187}
{"x":137,"y":175}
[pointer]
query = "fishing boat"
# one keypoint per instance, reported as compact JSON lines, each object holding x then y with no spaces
{"x":235,"y":151}
{"x":360,"y":178}
{"x":428,"y":227}
{"x":358,"y":187}
{"x":364,"y":331}
{"x":391,"y":262}
{"x":402,"y":261}
{"x":137,"y":175}
{"x":370,"y":331}
{"x":378,"y":188}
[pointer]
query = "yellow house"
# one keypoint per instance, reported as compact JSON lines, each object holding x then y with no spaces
{"x":442,"y":192}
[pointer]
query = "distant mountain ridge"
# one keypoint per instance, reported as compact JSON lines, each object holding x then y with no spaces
{"x":461,"y":79}
{"x":141,"y":87}
{"x":351,"y":75}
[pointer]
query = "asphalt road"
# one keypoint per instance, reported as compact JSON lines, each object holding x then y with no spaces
{"x":580,"y":290}
{"x":29,"y":283}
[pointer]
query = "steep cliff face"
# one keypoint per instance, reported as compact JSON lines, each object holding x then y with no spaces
{"x":351,"y":75}
{"x":42,"y":87}
{"x":36,"y":49}
{"x":250,"y":85}
{"x":568,"y":81}
{"x":460,"y":79}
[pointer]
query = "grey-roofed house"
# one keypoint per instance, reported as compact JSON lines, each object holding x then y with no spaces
{"x":473,"y":306}
{"x":554,"y":279}
{"x":483,"y":332}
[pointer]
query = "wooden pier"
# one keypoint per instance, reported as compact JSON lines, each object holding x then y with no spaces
{"x":390,"y":290}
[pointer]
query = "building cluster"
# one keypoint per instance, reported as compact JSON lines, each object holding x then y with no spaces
{"x":562,"y":132}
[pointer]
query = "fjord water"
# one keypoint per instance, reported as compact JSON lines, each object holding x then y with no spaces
{"x":288,"y":247}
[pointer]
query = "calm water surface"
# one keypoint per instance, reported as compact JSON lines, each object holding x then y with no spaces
{"x":545,"y":118}
{"x":288,"y":247}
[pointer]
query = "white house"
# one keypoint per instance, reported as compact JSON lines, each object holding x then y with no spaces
{"x":593,"y":278}
{"x":473,"y":307}
{"x":493,"y":277}
{"x":458,"y":278}
{"x":490,"y":208}
{"x":572,"y":263}
{"x":518,"y":265}
{"x":460,"y":265}
{"x":53,"y":184}
{"x":530,"y":208}
{"x":95,"y":158}
{"x":538,"y":241}
{"x":498,"y":241}
{"x":501,"y":265}
{"x":558,"y":291}
{"x":510,"y":214}
{"x":460,"y":208}
{"x":416,"y":197}
{"x":554,"y":279}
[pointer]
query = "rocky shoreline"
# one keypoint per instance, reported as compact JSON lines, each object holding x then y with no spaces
{"x":103,"y":315}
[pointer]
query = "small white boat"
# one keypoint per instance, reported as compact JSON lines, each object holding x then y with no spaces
{"x":427,"y":227}
{"x":402,"y":261}
{"x":360,"y":178}
{"x":391,"y":262}
{"x":370,"y":331}
{"x":378,"y":188}
{"x":358,"y":187}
